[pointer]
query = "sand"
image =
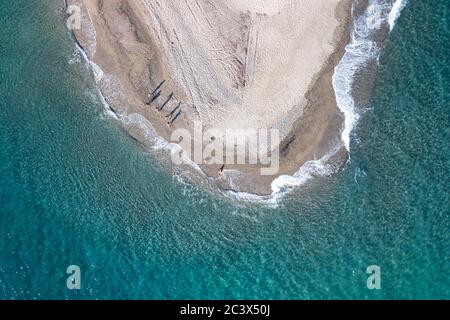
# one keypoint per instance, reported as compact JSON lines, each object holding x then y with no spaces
{"x":231,"y":63}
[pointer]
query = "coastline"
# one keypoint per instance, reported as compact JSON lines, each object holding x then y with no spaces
{"x":319,"y":124}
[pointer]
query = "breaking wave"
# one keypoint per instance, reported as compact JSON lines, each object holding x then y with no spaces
{"x":397,"y":9}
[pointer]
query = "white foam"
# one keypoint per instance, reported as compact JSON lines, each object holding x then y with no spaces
{"x":98,"y":72}
{"x":158,"y":142}
{"x":81,"y":51}
{"x":76,"y":57}
{"x":139,"y":121}
{"x":397,"y":9}
{"x":271,"y":201}
{"x":176,"y":148}
{"x":361,"y":49}
{"x":309,"y":170}
{"x":98,"y":76}
{"x":284,"y":184}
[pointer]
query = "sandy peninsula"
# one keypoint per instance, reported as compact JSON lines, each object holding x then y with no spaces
{"x":262,"y":64}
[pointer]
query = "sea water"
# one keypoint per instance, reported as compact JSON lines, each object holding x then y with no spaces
{"x":75,"y":189}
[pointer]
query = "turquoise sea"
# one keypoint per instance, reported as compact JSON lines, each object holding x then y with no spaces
{"x":76,"y":190}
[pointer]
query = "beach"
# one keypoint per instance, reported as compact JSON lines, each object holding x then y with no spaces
{"x":230,"y":65}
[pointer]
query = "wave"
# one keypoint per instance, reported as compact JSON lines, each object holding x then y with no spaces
{"x":98,"y":76}
{"x":397,"y":9}
{"x":158,"y":143}
{"x":358,"y":53}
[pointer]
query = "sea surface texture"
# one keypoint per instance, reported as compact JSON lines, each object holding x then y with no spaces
{"x":75,"y":189}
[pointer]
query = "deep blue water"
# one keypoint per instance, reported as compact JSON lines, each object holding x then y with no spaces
{"x":75,"y":189}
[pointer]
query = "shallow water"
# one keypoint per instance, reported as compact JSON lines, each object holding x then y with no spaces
{"x":75,"y":189}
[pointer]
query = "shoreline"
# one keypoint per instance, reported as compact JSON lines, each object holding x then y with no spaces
{"x":295,"y":153}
